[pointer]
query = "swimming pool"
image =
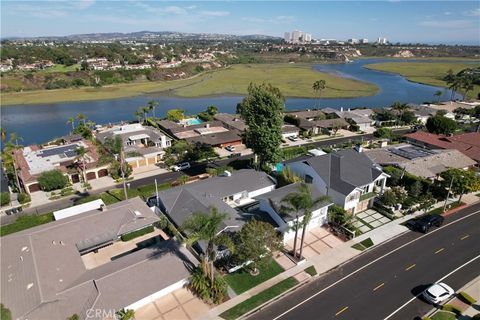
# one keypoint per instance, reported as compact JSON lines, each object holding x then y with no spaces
{"x":191,"y":122}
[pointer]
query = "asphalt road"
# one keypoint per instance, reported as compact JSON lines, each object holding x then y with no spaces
{"x":196,"y":169}
{"x":389,"y":277}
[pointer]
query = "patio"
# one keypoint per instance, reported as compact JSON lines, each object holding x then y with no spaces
{"x":368,"y":220}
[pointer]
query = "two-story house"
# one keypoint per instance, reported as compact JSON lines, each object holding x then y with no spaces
{"x":350,"y":178}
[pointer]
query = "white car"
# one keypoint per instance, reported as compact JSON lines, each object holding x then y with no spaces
{"x":230,"y":148}
{"x":438,"y":292}
{"x":293,"y":138}
{"x":181,"y":166}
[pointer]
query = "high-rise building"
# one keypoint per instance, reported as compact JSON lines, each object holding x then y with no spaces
{"x":364,"y":41}
{"x":308,"y":37}
{"x":353,"y":41}
{"x":296,"y":35}
{"x":286,"y":36}
{"x":381,"y":40}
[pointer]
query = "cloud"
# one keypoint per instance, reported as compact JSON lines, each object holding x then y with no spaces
{"x":473,"y":13}
{"x":277,"y":19}
{"x":37,"y":11}
{"x":447,"y":13}
{"x":452,"y":24}
{"x":214,"y":13}
{"x":373,"y":19}
{"x":83,"y":4}
{"x":162,"y":10}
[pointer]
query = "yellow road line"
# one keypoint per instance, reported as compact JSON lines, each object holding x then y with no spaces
{"x":439,"y":250}
{"x":379,"y":286}
{"x":412,"y":266}
{"x":465,"y":237}
{"x":336,"y":314}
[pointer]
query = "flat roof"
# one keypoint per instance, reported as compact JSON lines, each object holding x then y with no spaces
{"x":81,"y":208}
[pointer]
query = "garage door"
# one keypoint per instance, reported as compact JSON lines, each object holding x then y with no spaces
{"x":91,"y":176}
{"x":34,"y":187}
{"x":75,"y":178}
{"x":102,"y":173}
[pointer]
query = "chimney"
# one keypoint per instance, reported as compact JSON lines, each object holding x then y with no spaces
{"x":207,"y":125}
{"x":163,"y":140}
{"x":341,"y":109}
{"x":103,"y":208}
{"x":348,"y":109}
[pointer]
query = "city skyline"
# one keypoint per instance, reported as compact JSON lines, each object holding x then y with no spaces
{"x":399,"y":21}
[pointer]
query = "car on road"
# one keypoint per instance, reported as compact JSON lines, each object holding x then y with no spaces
{"x":293,"y":138}
{"x":181,"y":166}
{"x":438,"y":292}
{"x":230,"y":148}
{"x":424,"y":223}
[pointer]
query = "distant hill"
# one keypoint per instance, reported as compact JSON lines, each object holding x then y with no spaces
{"x":152,"y":36}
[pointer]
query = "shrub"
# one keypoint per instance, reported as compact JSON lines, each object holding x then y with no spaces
{"x":383,"y":133}
{"x":5,"y":314}
{"x":452,"y":308}
{"x":475,"y":317}
{"x":24,"y":198}
{"x":5,"y":198}
{"x":52,"y":180}
{"x":136,"y":234}
{"x":467,"y":298}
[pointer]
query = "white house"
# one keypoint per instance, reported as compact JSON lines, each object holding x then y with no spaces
{"x":271,"y":203}
{"x":350,"y":178}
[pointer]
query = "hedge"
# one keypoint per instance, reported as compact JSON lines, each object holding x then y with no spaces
{"x":467,"y":298}
{"x":452,"y":308}
{"x":24,"y":198}
{"x":136,"y":234}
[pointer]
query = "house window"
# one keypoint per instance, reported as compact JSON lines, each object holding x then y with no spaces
{"x":308,"y":179}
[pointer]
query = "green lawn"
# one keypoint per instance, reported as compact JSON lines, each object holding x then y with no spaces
{"x":311,"y":270}
{"x":240,"y":281}
{"x":443,"y":315}
{"x":450,"y":206}
{"x":430,"y":73}
{"x":294,"y":80}
{"x":258,"y":299}
{"x":367,"y":243}
{"x":26,"y":222}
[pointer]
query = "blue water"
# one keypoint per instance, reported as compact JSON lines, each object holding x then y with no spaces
{"x":43,"y":122}
{"x":192,"y":122}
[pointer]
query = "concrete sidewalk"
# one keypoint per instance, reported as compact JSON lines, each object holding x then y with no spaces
{"x":331,"y":258}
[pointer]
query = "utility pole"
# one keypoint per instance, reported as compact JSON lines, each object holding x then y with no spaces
{"x":156,"y":191}
{"x":123,"y":173}
{"x":448,"y":194}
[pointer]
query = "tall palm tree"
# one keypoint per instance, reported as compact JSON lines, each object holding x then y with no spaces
{"x":90,"y":124}
{"x":81,"y":117}
{"x":145,"y":111}
{"x":455,"y":84}
{"x":438,"y":94}
{"x":318,"y":86}
{"x":71,"y":121}
{"x":206,"y":226}
{"x":139,"y":115}
{"x":292,"y":203}
{"x":152,"y":104}
{"x":400,"y":109}
{"x":14,"y":137}
{"x":466,"y":84}
{"x":81,"y":152}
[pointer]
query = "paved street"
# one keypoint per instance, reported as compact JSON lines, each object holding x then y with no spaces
{"x":376,"y":284}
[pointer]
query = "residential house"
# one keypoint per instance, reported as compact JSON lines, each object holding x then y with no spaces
{"x":349,"y":177}
{"x":271,"y":203}
{"x":47,"y":273}
{"x":422,"y":112}
{"x":226,"y":193}
{"x":466,"y":143}
{"x":418,"y":161}
{"x":326,"y":126}
{"x":362,"y":118}
{"x":33,"y":160}
{"x":142,"y":145}
{"x":289,"y":130}
{"x":231,"y":122}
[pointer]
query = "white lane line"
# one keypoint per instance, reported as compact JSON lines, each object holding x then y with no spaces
{"x":441,"y":279}
{"x":370,"y":263}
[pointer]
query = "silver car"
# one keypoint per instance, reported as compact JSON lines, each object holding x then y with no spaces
{"x":438,"y":292}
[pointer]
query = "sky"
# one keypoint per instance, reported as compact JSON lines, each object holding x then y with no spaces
{"x":449,"y":22}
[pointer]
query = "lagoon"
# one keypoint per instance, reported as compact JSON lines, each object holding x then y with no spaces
{"x":43,"y":122}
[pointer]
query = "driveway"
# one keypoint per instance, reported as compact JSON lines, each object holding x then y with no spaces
{"x":180,"y":304}
{"x":368,"y":220}
{"x":317,"y":241}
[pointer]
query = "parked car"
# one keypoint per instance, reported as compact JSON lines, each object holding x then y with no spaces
{"x":438,"y":292}
{"x":230,"y":148}
{"x":181,"y":166}
{"x":293,"y":138}
{"x":424,"y":223}
{"x":235,"y":155}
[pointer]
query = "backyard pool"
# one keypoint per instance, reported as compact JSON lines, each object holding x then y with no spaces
{"x":191,"y":122}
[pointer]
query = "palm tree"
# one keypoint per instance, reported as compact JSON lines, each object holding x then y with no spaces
{"x":81,"y":117}
{"x":139,"y":115}
{"x":81,"y":152}
{"x":438,"y":94}
{"x":152,"y":104}
{"x":207,"y":227}
{"x":71,"y":121}
{"x":318,"y":86}
{"x":145,"y":111}
{"x":455,"y":84}
{"x":14,"y":137}
{"x":292,"y":203}
{"x":3,"y":133}
{"x":400,"y":109}
{"x":466,"y":84}
{"x":90,"y":124}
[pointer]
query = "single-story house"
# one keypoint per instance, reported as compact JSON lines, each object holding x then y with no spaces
{"x":360,"y":117}
{"x":349,"y":177}
{"x":44,"y":274}
{"x":231,"y":122}
{"x":271,"y":203}
{"x":325,"y":126}
{"x":289,"y":130}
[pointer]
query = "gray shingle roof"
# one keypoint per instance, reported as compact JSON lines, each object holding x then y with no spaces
{"x":43,"y":275}
{"x":276,"y":196}
{"x":218,"y":138}
{"x":345,"y":170}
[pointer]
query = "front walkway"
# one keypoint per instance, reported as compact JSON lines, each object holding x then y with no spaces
{"x":368,"y":220}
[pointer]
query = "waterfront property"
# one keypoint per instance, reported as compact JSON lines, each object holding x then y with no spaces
{"x":466,"y":143}
{"x":33,"y":160}
{"x":142,"y":145}
{"x":44,"y":275}
{"x":231,"y":122}
{"x":226,"y":193}
{"x":271,"y":203}
{"x":418,"y":161}
{"x":211,"y":133}
{"x":349,"y":177}
{"x":362,"y":118}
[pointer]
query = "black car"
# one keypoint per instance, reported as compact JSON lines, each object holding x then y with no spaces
{"x":424,"y":223}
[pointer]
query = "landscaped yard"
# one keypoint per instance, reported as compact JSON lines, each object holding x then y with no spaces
{"x":443,"y":315}
{"x":240,"y":281}
{"x":367,"y":243}
{"x":258,"y":299}
{"x":26,"y":222}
